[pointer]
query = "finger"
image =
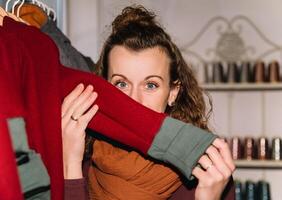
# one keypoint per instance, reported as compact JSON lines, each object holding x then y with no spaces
{"x":71,"y":97}
{"x":209,"y":177}
{"x":84,"y":106}
{"x":218,"y":161}
{"x":89,"y":114}
{"x":78,"y":101}
{"x":81,"y":124}
{"x":70,"y":102}
{"x":225,"y":152}
{"x":205,"y":162}
{"x":199,"y":173}
{"x":215,"y":174}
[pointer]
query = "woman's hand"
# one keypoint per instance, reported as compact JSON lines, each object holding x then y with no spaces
{"x":77,"y":111}
{"x":217,"y":166}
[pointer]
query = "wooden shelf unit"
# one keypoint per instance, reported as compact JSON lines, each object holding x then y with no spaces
{"x":259,"y":164}
{"x":242,"y":86}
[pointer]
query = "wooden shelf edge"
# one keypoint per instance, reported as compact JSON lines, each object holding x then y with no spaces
{"x":242,"y":86}
{"x":260,"y":164}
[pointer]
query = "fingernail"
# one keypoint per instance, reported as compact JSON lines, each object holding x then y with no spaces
{"x":90,"y":87}
{"x":80,"y":85}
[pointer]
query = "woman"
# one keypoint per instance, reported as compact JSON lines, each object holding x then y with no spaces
{"x":140,"y":59}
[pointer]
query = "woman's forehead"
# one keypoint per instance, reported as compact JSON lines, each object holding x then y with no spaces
{"x":151,"y":61}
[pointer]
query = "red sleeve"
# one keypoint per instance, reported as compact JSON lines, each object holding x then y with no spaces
{"x":117,"y":116}
{"x":75,"y":189}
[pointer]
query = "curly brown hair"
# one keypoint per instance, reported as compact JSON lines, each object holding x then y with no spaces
{"x":136,"y":29}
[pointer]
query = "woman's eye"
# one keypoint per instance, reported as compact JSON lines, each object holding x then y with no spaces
{"x":121,"y":84}
{"x":151,"y":86}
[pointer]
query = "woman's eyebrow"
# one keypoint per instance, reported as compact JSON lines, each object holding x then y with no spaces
{"x":123,"y":77}
{"x":154,"y":76}
{"x":118,"y":75}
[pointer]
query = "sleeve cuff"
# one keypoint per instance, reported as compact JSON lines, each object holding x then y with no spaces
{"x":180,"y":144}
{"x":75,"y":189}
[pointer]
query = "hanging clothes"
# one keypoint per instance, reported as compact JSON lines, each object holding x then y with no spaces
{"x":31,"y":60}
{"x":10,"y":106}
{"x":34,"y":178}
{"x":69,"y":56}
{"x":33,"y":14}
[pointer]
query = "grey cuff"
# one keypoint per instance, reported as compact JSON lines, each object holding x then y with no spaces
{"x":180,"y":144}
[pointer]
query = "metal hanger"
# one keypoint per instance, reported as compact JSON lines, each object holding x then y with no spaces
{"x":46,"y":8}
{"x":14,"y":6}
{"x":7,"y":5}
{"x":19,"y":8}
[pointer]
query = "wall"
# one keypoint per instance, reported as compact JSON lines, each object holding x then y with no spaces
{"x":237,"y":113}
{"x":82,"y":26}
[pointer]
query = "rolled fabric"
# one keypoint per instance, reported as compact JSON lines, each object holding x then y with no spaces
{"x":250,"y":190}
{"x":263,"y":190}
{"x":238,"y":190}
{"x":273,"y":72}
{"x":276,"y":149}
{"x":249,"y":148}
{"x":259,"y":72}
{"x":245,"y":72}
{"x":236,"y":148}
{"x":232,"y":73}
{"x":218,"y":73}
{"x":262,"y":148}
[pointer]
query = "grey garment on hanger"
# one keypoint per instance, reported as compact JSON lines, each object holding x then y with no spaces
{"x":69,"y":56}
{"x":33,"y":175}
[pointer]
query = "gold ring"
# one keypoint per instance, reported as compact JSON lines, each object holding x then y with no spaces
{"x":73,"y":118}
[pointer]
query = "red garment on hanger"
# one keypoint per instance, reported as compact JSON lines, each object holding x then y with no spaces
{"x":42,"y":83}
{"x":10,"y":106}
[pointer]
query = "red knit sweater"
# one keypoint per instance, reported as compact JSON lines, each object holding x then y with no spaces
{"x":34,"y":83}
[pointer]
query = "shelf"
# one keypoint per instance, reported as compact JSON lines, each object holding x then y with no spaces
{"x":242,"y":86}
{"x":259,"y":164}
